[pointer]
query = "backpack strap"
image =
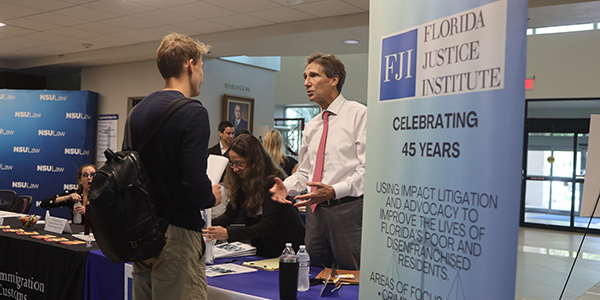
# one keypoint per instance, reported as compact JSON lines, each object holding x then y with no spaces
{"x":162,"y":117}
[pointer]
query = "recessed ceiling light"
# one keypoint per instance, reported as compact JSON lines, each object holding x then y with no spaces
{"x":2,"y":24}
{"x":351,"y":42}
{"x":87,"y":45}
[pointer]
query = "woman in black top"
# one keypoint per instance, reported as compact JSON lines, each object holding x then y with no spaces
{"x":85,"y":174}
{"x":269,"y":224}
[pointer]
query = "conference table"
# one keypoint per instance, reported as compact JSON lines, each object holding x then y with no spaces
{"x":37,"y":269}
{"x":108,"y":280}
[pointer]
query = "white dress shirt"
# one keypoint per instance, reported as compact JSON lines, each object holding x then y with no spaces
{"x":223,"y":148}
{"x":344,"y":164}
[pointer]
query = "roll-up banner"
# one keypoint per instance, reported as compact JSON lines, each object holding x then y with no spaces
{"x":445,"y":134}
{"x":45,"y":136}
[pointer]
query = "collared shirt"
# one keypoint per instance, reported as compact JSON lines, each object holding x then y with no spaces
{"x":223,"y":149}
{"x":344,"y":164}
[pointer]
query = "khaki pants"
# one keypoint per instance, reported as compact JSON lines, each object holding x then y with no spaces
{"x":177,"y":272}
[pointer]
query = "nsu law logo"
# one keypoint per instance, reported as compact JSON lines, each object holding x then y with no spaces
{"x":50,"y":169}
{"x":76,"y":151}
{"x":27,"y":114}
{"x":398,"y":66}
{"x":4,"y":131}
{"x":26,"y":149}
{"x":7,"y":97}
{"x":51,"y":132}
{"x":70,"y":186}
{"x":78,"y":116}
{"x":4,"y":167}
{"x":25,"y":185}
{"x":51,"y":97}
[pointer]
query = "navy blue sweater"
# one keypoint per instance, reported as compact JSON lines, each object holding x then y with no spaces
{"x":176,"y":158}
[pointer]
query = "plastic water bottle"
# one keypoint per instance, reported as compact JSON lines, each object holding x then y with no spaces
{"x":76,"y":216}
{"x":288,"y":273}
{"x":303,"y":269}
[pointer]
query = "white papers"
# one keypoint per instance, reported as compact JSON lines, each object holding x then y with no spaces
{"x":216,"y":165}
{"x":227,"y":269}
{"x":8,"y":214}
{"x":207,"y":216}
{"x":235,"y":249}
{"x":215,"y":168}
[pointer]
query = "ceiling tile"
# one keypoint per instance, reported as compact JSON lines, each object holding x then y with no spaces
{"x":148,"y":34}
{"x":79,"y":2}
{"x":129,"y":23}
{"x":14,"y":31}
{"x":31,"y":24}
{"x":74,"y":32}
{"x":119,"y":7}
{"x":57,"y":19}
{"x":16,"y":11}
{"x":163,"y":3}
{"x":327,"y":8}
{"x":100,"y":42}
{"x":280,"y":15}
{"x":241,"y":21}
{"x":362,"y":4}
{"x":49,"y":37}
{"x":202,"y":10}
{"x":100,"y":28}
{"x":22,"y":43}
{"x":244,"y":6}
{"x":44,"y":5}
{"x":86,"y":13}
{"x":161,"y":16}
{"x":51,"y":50}
{"x":202,"y":26}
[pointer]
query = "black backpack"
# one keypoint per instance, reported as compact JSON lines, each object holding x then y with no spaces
{"x":121,"y":209}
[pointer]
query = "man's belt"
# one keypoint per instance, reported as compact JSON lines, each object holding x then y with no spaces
{"x":334,"y":202}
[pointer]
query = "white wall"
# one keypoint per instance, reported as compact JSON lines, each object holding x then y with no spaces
{"x":565,"y":65}
{"x":115,"y":83}
{"x":290,"y":83}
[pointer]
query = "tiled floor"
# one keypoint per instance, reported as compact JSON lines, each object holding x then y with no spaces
{"x":544,"y":260}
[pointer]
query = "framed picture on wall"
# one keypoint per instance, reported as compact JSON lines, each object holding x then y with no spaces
{"x":239,"y":111}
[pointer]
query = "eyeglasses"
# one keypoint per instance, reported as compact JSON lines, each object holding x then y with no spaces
{"x":239,"y":165}
{"x":88,"y":175}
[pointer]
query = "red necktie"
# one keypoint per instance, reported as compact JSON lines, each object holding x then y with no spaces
{"x":320,"y":155}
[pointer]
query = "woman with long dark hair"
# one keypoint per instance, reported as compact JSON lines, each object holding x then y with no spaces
{"x":269,"y":224}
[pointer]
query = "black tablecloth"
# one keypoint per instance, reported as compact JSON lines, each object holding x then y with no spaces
{"x":36,"y":269}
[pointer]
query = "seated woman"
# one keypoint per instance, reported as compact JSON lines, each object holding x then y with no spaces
{"x":80,"y":195}
{"x":273,"y":142}
{"x":269,"y":224}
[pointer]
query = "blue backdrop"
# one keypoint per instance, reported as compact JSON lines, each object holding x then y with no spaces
{"x":45,"y":136}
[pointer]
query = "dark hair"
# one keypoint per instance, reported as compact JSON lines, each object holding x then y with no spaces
{"x":331,"y":65}
{"x":174,"y":50}
{"x":259,"y":172}
{"x":223,"y":125}
{"x":240,"y":132}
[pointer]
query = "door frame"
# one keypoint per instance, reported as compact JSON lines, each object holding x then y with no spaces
{"x":574,"y":126}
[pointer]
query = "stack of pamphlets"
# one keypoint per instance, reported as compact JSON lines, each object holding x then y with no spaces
{"x":235,"y":249}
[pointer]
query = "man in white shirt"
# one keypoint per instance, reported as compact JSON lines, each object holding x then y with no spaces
{"x":334,"y":205}
{"x":226,"y":133}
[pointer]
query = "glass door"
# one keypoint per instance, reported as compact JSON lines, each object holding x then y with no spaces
{"x":553,"y":181}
